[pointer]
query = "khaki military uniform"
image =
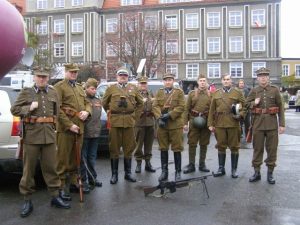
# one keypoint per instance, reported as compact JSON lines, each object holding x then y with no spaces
{"x":198,"y":104}
{"x":227,"y":128}
{"x":173,"y":103}
{"x":73,"y":100}
{"x":265,"y":124}
{"x":122,"y":103}
{"x":39,"y":137}
{"x":145,"y":122}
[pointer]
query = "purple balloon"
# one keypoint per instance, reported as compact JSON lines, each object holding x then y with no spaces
{"x":12,"y":38}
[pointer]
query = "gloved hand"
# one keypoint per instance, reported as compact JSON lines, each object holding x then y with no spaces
{"x":165,"y":117}
{"x":161,"y":123}
{"x":33,"y":106}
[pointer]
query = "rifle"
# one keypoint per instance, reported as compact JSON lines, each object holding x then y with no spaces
{"x":172,"y":185}
{"x":78,"y":159}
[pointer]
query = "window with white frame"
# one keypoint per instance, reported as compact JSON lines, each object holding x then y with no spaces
{"x":42,"y":27}
{"x":236,"y":69}
{"x":191,"y":21}
{"x":41,"y":4}
{"x":213,"y":45}
{"x":77,"y":48}
{"x":171,"y":46}
{"x":192,"y":71}
{"x":285,"y":70}
{"x":59,"y":49}
{"x":130,"y":2}
{"x":213,"y":20}
{"x":173,"y":69}
{"x":111,"y":25}
{"x":59,"y":3}
{"x":77,"y":2}
{"x":214,"y":70}
{"x":171,"y":22}
{"x":192,"y":45}
{"x":77,"y":25}
{"x":59,"y":26}
{"x":110,"y":50}
{"x":150,"y":22}
{"x":235,"y":19}
{"x":258,"y":43}
{"x":256,"y":66}
{"x":297,"y":71}
{"x":258,"y":18}
{"x":236,"y":44}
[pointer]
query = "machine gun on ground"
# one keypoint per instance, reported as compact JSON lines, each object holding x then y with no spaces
{"x":172,"y":185}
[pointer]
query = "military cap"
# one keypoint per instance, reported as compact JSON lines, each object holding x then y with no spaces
{"x":123,"y":70}
{"x":91,"y":82}
{"x":143,"y":79}
{"x":168,"y":75}
{"x":41,"y":71}
{"x":71,"y":67}
{"x":263,"y":71}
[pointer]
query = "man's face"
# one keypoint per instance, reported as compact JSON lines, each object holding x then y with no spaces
{"x":91,"y":91}
{"x":263,"y":80}
{"x":41,"y":81}
{"x":202,"y":84}
{"x":168,"y":82}
{"x":122,"y":78}
{"x":143,"y":86}
{"x":226,"y":81}
{"x":71,"y":75}
{"x":241,"y":84}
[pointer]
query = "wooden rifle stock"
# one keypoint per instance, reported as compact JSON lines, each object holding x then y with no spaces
{"x":78,"y":159}
{"x":249,"y":135}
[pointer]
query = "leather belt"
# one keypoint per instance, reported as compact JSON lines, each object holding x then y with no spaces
{"x":39,"y":120}
{"x":223,"y":113}
{"x":271,"y":110}
{"x":122,"y":112}
{"x":196,"y":113}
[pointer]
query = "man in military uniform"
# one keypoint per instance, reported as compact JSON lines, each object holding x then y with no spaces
{"x":38,"y":107}
{"x":246,"y":121}
{"x":265,"y":104}
{"x":226,"y":111}
{"x":169,"y":103}
{"x":121,"y":101}
{"x":195,"y":117}
{"x":144,"y":128}
{"x":74,"y":110}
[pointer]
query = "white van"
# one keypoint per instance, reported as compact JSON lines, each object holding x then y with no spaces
{"x":17,"y":79}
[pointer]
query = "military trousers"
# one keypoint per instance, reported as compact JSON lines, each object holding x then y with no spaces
{"x":144,"y":139}
{"x":265,"y":139}
{"x":66,"y":156}
{"x":45,"y":153}
{"x":121,"y":137}
{"x":173,"y":137}
{"x":228,"y":137}
{"x":196,"y":136}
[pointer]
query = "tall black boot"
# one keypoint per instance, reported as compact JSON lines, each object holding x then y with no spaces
{"x":138,"y":168}
{"x":270,"y":177}
{"x":221,"y":170}
{"x":164,"y":155}
{"x":114,"y":170}
{"x":177,"y":159}
{"x":256,"y":176}
{"x":148,"y":166}
{"x":234,"y":163}
{"x":127,"y":168}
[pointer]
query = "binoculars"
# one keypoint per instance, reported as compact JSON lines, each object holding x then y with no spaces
{"x":122,"y":102}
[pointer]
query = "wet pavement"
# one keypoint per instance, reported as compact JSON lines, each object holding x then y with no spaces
{"x":232,"y":201}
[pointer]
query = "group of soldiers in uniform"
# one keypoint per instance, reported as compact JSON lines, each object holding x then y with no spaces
{"x":55,"y":118}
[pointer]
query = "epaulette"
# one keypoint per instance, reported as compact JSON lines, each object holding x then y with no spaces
{"x":50,"y":86}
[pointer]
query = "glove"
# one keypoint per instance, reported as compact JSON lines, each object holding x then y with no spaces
{"x":161,"y":123}
{"x":165,"y":117}
{"x":33,"y":106}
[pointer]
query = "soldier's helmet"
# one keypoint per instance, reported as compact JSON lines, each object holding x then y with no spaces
{"x":199,"y":122}
{"x":72,"y":67}
{"x":41,"y":71}
{"x":263,"y":72}
{"x":168,"y":75}
{"x":235,"y":109}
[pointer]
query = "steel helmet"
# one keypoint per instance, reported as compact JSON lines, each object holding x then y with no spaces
{"x":235,"y":109}
{"x":199,"y":122}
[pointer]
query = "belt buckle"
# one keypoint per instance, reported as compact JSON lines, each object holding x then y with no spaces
{"x":264,"y":111}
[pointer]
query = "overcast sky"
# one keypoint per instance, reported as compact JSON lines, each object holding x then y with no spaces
{"x":290,"y":28}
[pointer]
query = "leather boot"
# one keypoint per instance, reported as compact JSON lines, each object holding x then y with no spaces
{"x":27,"y":208}
{"x":148,"y":167}
{"x":164,"y":155}
{"x":256,"y":176}
{"x":270,"y":177}
{"x":202,"y":157}
{"x":64,"y":196}
{"x":177,"y":159}
{"x":234,"y":163}
{"x":59,"y":203}
{"x":138,"y":168}
{"x":127,"y":168}
{"x":114,"y":170}
{"x":221,"y":170}
{"x":203,"y":168}
{"x":189,"y":168}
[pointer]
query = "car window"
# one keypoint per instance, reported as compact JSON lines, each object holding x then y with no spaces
{"x":12,"y":93}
